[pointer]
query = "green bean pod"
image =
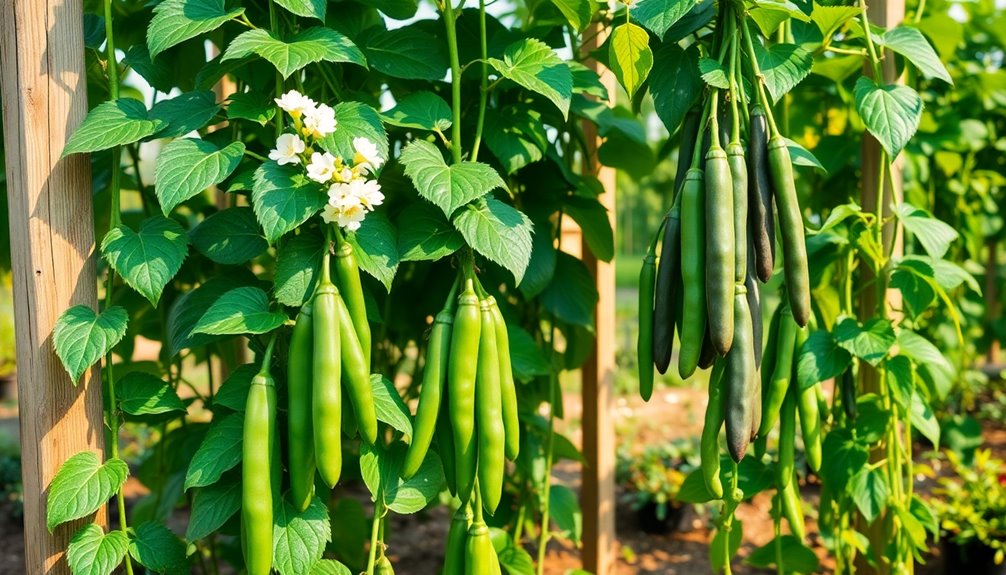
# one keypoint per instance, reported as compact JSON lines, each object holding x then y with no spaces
{"x":430,"y":395}
{"x":489,"y":415}
{"x":707,"y":353}
{"x":794,"y":246}
{"x":667,"y":290}
{"x":511,"y":421}
{"x":457,"y":539}
{"x":757,"y":318}
{"x":480,"y":555}
{"x":461,"y":376}
{"x":445,"y":447}
{"x":348,"y":274}
{"x":326,"y":391}
{"x":257,"y":452}
{"x":645,"y":343}
{"x":689,"y":134}
{"x":849,"y":395}
{"x":693,"y":272}
{"x":356,"y":376}
{"x":765,"y":377}
{"x":792,"y":509}
{"x":384,"y":567}
{"x":808,"y":410}
{"x":787,"y":439}
{"x":713,"y":422}
{"x":761,"y":215}
{"x":300,"y":431}
{"x":740,"y":379}
{"x":782,"y":369}
{"x":720,"y":246}
{"x":739,"y":181}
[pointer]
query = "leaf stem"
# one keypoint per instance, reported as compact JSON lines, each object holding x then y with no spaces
{"x":274,"y":28}
{"x":484,"y":81}
{"x":452,"y":46}
{"x":375,"y":530}
{"x":759,"y":79}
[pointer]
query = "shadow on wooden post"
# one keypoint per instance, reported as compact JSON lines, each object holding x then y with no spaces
{"x":52,"y":248}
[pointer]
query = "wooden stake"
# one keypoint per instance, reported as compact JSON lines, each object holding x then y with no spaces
{"x":52,"y":248}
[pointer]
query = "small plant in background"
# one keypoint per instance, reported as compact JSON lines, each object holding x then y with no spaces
{"x":7,"y":357}
{"x":971,"y":505}
{"x":653,"y":478}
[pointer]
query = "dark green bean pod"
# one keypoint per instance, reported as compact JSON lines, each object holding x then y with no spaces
{"x":707,"y":355}
{"x":438,"y":353}
{"x":782,"y":369}
{"x":785,"y":467}
{"x":300,"y":430}
{"x":644,"y":342}
{"x":348,"y":274}
{"x":667,"y":288}
{"x":740,"y":380}
{"x":457,"y":538}
{"x":326,"y":396}
{"x":849,"y":395}
{"x":739,"y":180}
{"x":356,"y":376}
{"x":511,"y":421}
{"x":709,"y":447}
{"x":491,"y":433}
{"x":689,"y":134}
{"x":693,"y":272}
{"x":761,"y":215}
{"x":461,"y":375}
{"x":757,"y":318}
{"x":719,"y":213}
{"x":794,"y":246}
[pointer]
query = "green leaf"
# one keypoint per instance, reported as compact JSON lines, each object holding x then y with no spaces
{"x":900,"y":377}
{"x":829,"y":18}
{"x":447,"y":186}
{"x":141,"y":393}
{"x":784,"y":66}
{"x":212,"y":506}
{"x":577,"y":12}
{"x":659,"y":15}
{"x":821,"y":358}
{"x":869,"y":490}
{"x":845,"y":457}
{"x":924,"y":420}
{"x":592,"y":217}
{"x":768,"y":20}
{"x":719,"y":553}
{"x":516,"y":136}
{"x":421,"y":111}
{"x":190,"y":307}
{"x":513,"y":558}
{"x":240,"y":311}
{"x":376,"y":247}
{"x":330,"y":567}
{"x":185,"y":113}
{"x":535,"y":66}
{"x":934,"y":235}
{"x":233,"y":393}
{"x":929,"y":361}
{"x":891,"y":113}
{"x":675,"y":83}
{"x":802,"y":156}
{"x":230,"y":236}
{"x":297,"y":265}
{"x":219,"y":452}
{"x":572,"y":295}
{"x":870,"y":341}
{"x":110,"y":124}
{"x":498,"y":232}
{"x":407,"y":53}
{"x":93,"y":552}
{"x":911,"y":44}
{"x":541,"y":267}
{"x":82,"y":485}
{"x":355,"y":120}
{"x":381,"y":468}
{"x":630,"y":56}
{"x":305,"y":8}
{"x":389,"y":405}
{"x":526,"y":357}
{"x":871,"y":418}
{"x":176,"y":21}
{"x":81,"y":337}
{"x":565,"y":510}
{"x":186,"y":167}
{"x":913,"y":278}
{"x":299,"y":538}
{"x":155,"y":547}
{"x":424,"y":234}
{"x":395,"y":9}
{"x":317,"y":44}
{"x":252,"y":106}
{"x":149,"y":258}
{"x":283,"y":198}
{"x":713,"y":74}
{"x":797,"y":557}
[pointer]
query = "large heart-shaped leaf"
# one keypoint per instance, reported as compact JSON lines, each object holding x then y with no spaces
{"x":420,"y":110}
{"x":870,"y":341}
{"x":408,"y":53}
{"x":149,"y":258}
{"x":212,"y":506}
{"x":448,"y":186}
{"x":112,"y":123}
{"x":82,"y":485}
{"x":675,"y":83}
{"x":230,"y":236}
{"x":891,"y":112}
{"x":821,"y":358}
{"x":155,"y":547}
{"x":284,"y":198}
{"x":783,"y":66}
{"x":910,"y":43}
{"x":240,"y":311}
{"x":498,"y":232}
{"x":185,"y":113}
{"x":312,"y":45}
{"x":219,"y":452}
{"x":355,"y":120}
{"x":300,"y":537}
{"x":376,"y":248}
{"x":297,"y":264}
{"x":425,"y":234}
{"x":141,"y":393}
{"x":535,"y":66}
{"x":306,"y":8}
{"x":175,"y":21}
{"x":934,"y":235}
{"x":186,"y":167}
{"x":659,"y":15}
{"x":381,"y":468}
{"x":81,"y":337}
{"x":93,"y":552}
{"x":630,"y":56}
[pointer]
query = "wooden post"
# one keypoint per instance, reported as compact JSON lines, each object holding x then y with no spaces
{"x":52,"y":249}
{"x":597,"y":499}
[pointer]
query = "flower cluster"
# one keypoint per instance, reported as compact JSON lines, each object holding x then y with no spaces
{"x":351,"y":195}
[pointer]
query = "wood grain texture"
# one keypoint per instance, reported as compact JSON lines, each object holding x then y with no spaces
{"x":52,"y":245}
{"x":597,"y":499}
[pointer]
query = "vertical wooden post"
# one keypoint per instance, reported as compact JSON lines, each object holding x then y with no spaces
{"x":52,"y":248}
{"x":597,"y":499}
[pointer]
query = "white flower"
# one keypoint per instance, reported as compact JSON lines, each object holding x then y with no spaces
{"x":368,"y":192}
{"x":343,"y":208}
{"x":322,"y":167}
{"x":320,"y":121}
{"x":337,"y":193}
{"x":367,"y":157}
{"x":295,"y":103}
{"x":288,"y":146}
